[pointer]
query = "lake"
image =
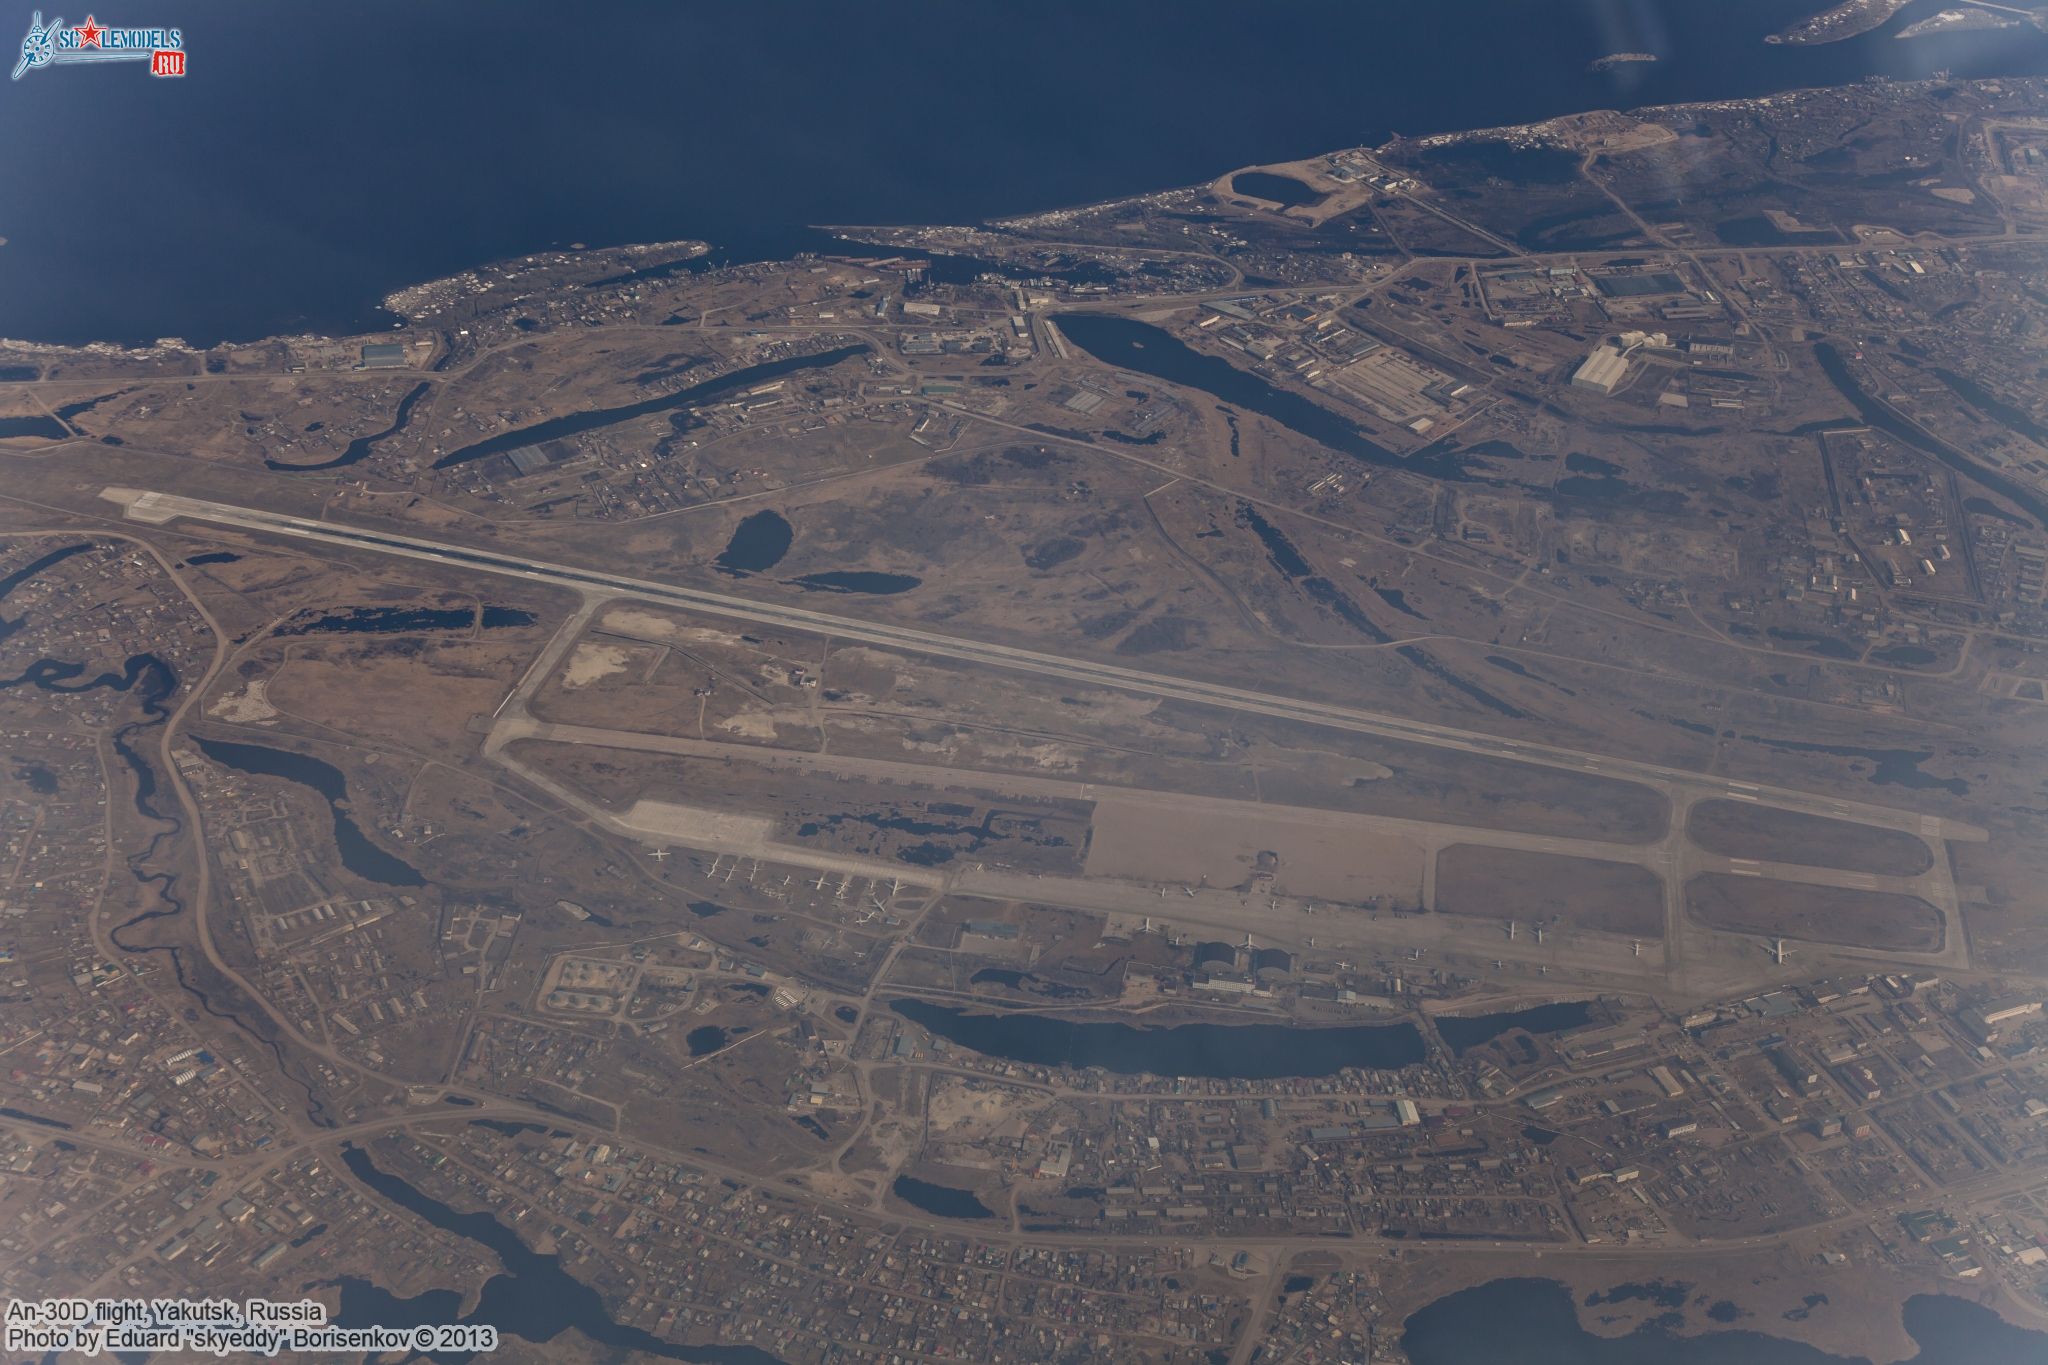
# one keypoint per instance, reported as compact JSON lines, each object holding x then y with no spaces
{"x":358,"y":854}
{"x":1253,"y":1052}
{"x":285,"y":190}
{"x":535,"y":1299}
{"x":940,"y":1201}
{"x":1149,"y":350}
{"x":758,"y":542}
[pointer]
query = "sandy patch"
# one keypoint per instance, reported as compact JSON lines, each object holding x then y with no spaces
{"x":764,"y":724}
{"x":648,"y":625}
{"x":698,"y":826}
{"x":246,"y":707}
{"x":1327,"y":856}
{"x":591,"y":662}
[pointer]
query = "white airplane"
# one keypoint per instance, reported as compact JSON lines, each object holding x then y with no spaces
{"x":658,"y":854}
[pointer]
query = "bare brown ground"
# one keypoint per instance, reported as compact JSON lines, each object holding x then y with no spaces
{"x":1818,"y":914}
{"x":1745,"y":829}
{"x":1587,"y":893}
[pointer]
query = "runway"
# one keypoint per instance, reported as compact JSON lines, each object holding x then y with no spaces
{"x":1688,"y":951}
{"x":157,"y":508}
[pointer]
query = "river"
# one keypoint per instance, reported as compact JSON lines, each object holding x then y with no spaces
{"x":1893,"y":423}
{"x":362,"y":445}
{"x":153,"y":682}
{"x":282,"y":191}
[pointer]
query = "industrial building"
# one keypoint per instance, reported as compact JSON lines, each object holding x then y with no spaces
{"x":1601,"y":371}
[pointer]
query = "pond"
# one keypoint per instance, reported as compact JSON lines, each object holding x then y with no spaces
{"x":1279,"y":189}
{"x":404,"y":620}
{"x":940,"y":1201}
{"x":858,"y":581}
{"x":1461,"y":1033}
{"x":49,"y":428}
{"x":757,"y":543}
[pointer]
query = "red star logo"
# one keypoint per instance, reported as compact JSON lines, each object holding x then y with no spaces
{"x":89,"y":33}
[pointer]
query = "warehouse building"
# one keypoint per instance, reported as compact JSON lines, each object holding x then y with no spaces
{"x":1601,"y":371}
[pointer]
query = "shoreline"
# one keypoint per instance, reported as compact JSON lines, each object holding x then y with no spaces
{"x":413,"y":296}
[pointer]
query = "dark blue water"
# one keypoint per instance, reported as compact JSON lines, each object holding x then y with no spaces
{"x":152,"y":682}
{"x":1892,"y":767}
{"x":1255,"y":1052}
{"x":358,"y":854}
{"x":1463,"y":1032}
{"x":403,"y":620}
{"x":1533,"y":1322}
{"x":940,"y":1201}
{"x":23,"y":1116}
{"x":535,"y":1299}
{"x":1889,"y":420}
{"x":1281,"y":189}
{"x":279,"y":187}
{"x":1150,"y":350}
{"x":27,"y":572}
{"x":705,"y":1040}
{"x":49,"y":428}
{"x":575,"y":424}
{"x":37,"y":565}
{"x":759,"y":542}
{"x":862,"y":581}
{"x":362,"y":445}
